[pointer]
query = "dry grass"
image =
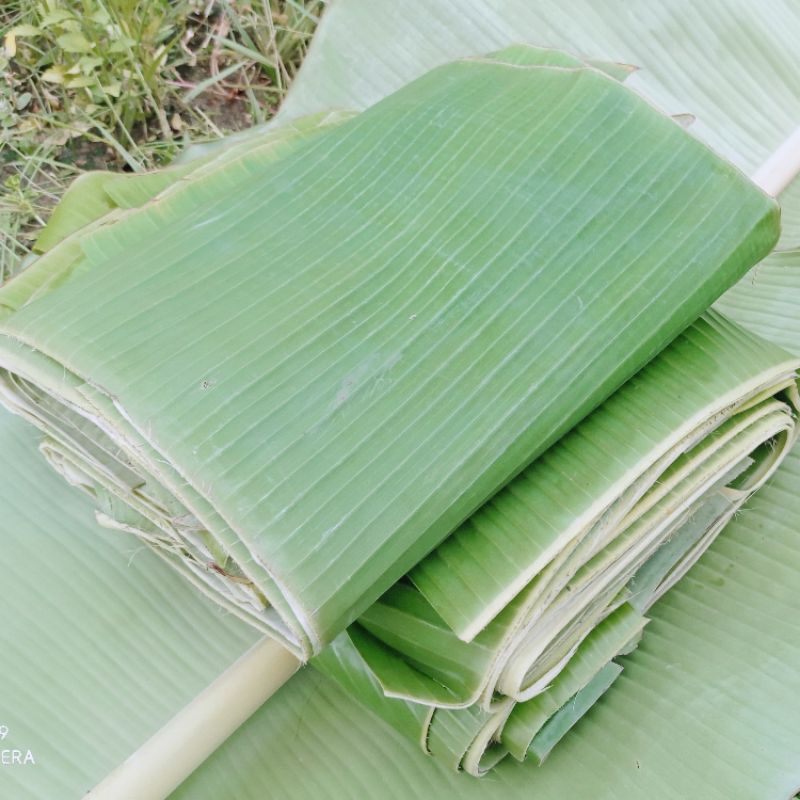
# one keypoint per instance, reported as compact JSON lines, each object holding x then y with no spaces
{"x":126,"y":84}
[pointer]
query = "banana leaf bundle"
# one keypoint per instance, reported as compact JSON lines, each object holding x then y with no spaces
{"x":653,"y":474}
{"x":125,"y":666}
{"x":334,"y":74}
{"x":296,"y":371}
{"x":667,"y":707}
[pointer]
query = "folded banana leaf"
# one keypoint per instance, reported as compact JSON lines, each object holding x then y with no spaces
{"x":604,"y":522}
{"x":458,"y":29}
{"x":111,"y":667}
{"x":705,"y":707}
{"x":665,"y":730}
{"x":743,"y":732}
{"x":295,"y":370}
{"x":677,"y":738}
{"x":698,"y":712}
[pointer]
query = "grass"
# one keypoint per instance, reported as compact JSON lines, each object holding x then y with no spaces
{"x":125,"y":84}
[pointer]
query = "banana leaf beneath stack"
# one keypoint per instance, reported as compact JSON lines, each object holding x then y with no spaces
{"x":731,"y":64}
{"x":296,"y":371}
{"x":101,"y":642}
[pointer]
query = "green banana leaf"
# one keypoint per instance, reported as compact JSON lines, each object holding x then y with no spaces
{"x":104,"y":613}
{"x":669,"y":458}
{"x":681,"y":751}
{"x":705,"y":707}
{"x":296,"y":456}
{"x":324,"y":781}
{"x":525,"y":644}
{"x":100,"y":643}
{"x":114,"y":667}
{"x":730,"y":63}
{"x":765,"y":304}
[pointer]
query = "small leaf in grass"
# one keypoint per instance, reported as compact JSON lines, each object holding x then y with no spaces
{"x":10,"y":44}
{"x":58,"y":138}
{"x":54,"y":74}
{"x":23,"y":100}
{"x":100,"y":16}
{"x":80,"y":82}
{"x":121,"y":45}
{"x":25,"y":30}
{"x":89,"y":63}
{"x":74,"y":43}
{"x":7,"y":117}
{"x":55,"y":17}
{"x":71,"y":25}
{"x":113,"y":89}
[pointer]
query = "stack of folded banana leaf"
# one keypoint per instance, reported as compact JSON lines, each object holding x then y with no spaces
{"x":430,"y":393}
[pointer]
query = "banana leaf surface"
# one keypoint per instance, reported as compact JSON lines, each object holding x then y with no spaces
{"x":677,"y":737}
{"x":700,"y":709}
{"x":623,"y":621}
{"x":731,"y":64}
{"x":295,"y":367}
{"x":705,"y":707}
{"x":654,"y":475}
